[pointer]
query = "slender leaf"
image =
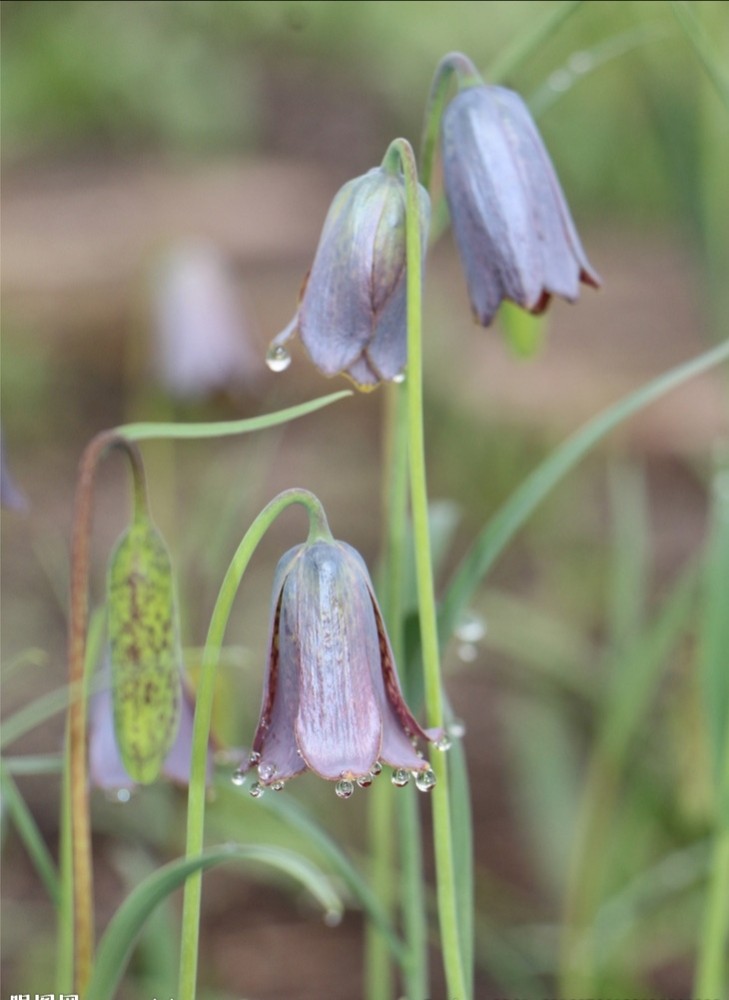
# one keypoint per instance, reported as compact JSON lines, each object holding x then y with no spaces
{"x":714,"y":66}
{"x":116,"y":945}
{"x":502,"y":528}
{"x":226,"y":428}
{"x":296,"y":816}
{"x":527,"y":43}
{"x":29,"y":833}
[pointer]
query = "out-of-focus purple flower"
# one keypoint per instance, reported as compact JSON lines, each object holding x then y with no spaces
{"x":352,"y":311}
{"x":203,"y":341}
{"x":10,"y":495}
{"x":510,"y":219}
{"x":106,"y":770}
{"x":332,"y":701}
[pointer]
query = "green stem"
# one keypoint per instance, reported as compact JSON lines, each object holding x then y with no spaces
{"x":318,"y":528}
{"x":712,"y":972}
{"x":378,"y":960}
{"x":457,"y":980}
{"x":77,"y":710}
{"x":468,"y":76}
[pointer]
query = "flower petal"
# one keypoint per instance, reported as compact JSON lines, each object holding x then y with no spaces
{"x":275,"y":737}
{"x":339,"y":726}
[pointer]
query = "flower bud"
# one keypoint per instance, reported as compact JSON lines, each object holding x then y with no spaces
{"x":146,"y":657}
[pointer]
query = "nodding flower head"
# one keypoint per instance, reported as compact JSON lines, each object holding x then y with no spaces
{"x":510,"y":219}
{"x":332,"y":702}
{"x":352,"y":310}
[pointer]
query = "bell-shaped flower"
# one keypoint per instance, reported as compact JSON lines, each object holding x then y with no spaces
{"x":510,"y":219}
{"x":352,"y":311}
{"x":332,"y":701}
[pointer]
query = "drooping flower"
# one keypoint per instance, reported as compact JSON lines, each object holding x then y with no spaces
{"x":352,"y":310}
{"x":514,"y":231}
{"x":332,"y":701}
{"x":203,"y":342}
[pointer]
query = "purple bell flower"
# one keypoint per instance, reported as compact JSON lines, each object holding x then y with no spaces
{"x":352,"y":310}
{"x":332,"y":701}
{"x":510,"y":219}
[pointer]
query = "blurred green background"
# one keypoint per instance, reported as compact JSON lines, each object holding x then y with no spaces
{"x":133,"y":128}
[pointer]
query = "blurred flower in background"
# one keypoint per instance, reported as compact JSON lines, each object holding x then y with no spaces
{"x":203,"y":339}
{"x":11,"y":496}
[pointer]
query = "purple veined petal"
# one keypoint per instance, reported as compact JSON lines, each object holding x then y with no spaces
{"x":564,"y":261}
{"x":491,"y":215}
{"x":363,"y":375}
{"x":177,"y":762}
{"x":388,"y":348}
{"x":106,"y":770}
{"x":274,"y":739}
{"x":339,"y":724}
{"x":11,"y":497}
{"x":335,"y":313}
{"x":400,"y":727}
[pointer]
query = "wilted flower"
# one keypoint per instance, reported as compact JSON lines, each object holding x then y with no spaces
{"x":202,"y":337}
{"x":332,"y":701}
{"x":106,"y":769}
{"x":511,"y":223}
{"x":352,"y":311}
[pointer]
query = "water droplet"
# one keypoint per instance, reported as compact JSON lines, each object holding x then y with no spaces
{"x":344,"y":789}
{"x":376,"y":768}
{"x":424,"y":780}
{"x":457,"y":729}
{"x":120,"y":796}
{"x":333,"y":918}
{"x":365,"y":781}
{"x":278,"y":358}
{"x":400,"y":777}
{"x":266,"y":771}
{"x":238,"y":777}
{"x":444,"y":743}
{"x":399,"y":378}
{"x":470,"y":628}
{"x":560,"y":80}
{"x":254,"y":757}
{"x":257,"y":790}
{"x":467,"y":652}
{"x":278,"y":786}
{"x":581,"y":62}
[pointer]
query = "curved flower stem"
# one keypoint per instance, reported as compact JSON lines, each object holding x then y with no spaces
{"x":468,"y":76}
{"x":318,"y":528}
{"x":83,"y":906}
{"x":456,"y":976}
